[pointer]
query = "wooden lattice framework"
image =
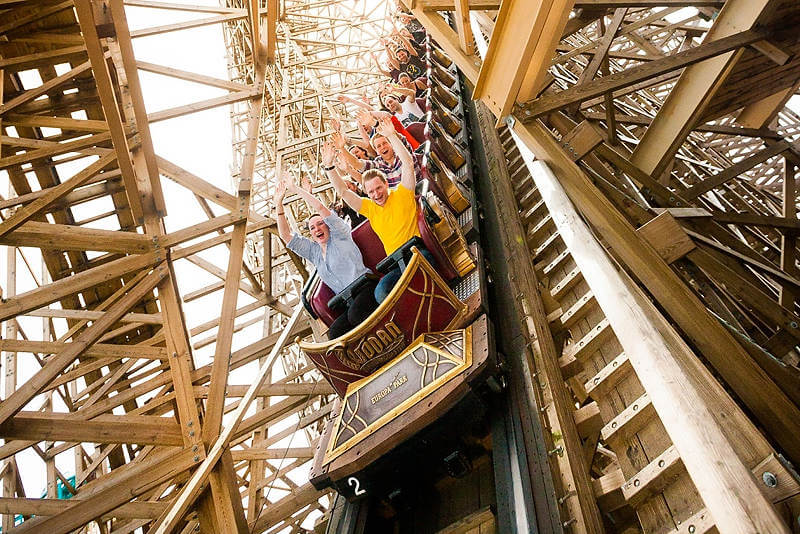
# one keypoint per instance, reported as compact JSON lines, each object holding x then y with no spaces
{"x":103,"y":372}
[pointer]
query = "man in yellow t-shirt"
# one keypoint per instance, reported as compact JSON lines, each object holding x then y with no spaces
{"x":392,"y":214}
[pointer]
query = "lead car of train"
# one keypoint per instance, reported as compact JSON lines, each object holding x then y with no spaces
{"x":415,"y":377}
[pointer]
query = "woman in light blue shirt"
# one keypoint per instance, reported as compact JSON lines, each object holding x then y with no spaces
{"x":332,"y":251}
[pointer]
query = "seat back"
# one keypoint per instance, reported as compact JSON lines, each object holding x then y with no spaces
{"x":417,"y":131}
{"x":372,"y":251}
{"x":369,"y":244}
{"x":445,"y":266}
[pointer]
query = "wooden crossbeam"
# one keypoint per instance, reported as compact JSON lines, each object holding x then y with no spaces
{"x":696,"y":87}
{"x":112,"y":491}
{"x":55,"y":365}
{"x":65,"y":123}
{"x":55,"y":149}
{"x":105,"y":90}
{"x":68,"y":237}
{"x":520,"y":51}
{"x":98,"y":350}
{"x":644,"y":73}
{"x":46,"y":87}
{"x":104,"y":429}
{"x":734,"y":170}
{"x":203,"y":105}
{"x":52,"y":194}
{"x":45,"y":507}
{"x":36,"y":298}
{"x":159,"y":30}
{"x":193,"y":487}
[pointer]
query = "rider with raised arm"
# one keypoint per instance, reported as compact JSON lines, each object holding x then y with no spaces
{"x":392,"y":214}
{"x":331,"y":249}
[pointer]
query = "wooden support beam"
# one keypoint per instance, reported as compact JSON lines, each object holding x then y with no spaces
{"x":105,"y":89}
{"x":190,"y":76}
{"x":645,"y":73}
{"x":46,"y":87}
{"x":271,"y":30}
{"x":112,"y":491}
{"x":570,"y":471}
{"x":54,"y":193}
{"x":203,"y":105}
{"x":98,"y":350}
{"x":521,"y":48}
{"x":744,"y":376}
{"x":143,"y":430}
{"x":55,"y":365}
{"x":728,"y":490}
{"x":45,"y":507}
{"x":55,"y":149}
{"x":696,"y":87}
{"x":194,"y":486}
{"x":65,"y":123}
{"x":740,"y":167}
{"x":66,"y":237}
{"x":197,"y":23}
{"x":143,"y":153}
{"x":36,"y":298}
{"x":463,"y":27}
{"x":603,"y":46}
{"x":447,"y":38}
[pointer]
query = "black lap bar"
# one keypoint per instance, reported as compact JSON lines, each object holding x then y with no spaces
{"x":349,"y":293}
{"x":400,"y":256}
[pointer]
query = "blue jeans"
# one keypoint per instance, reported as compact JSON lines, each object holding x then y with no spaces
{"x":386,"y":283}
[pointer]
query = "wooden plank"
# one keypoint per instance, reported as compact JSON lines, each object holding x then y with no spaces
{"x":67,"y":237}
{"x":108,"y":99}
{"x":36,"y":298}
{"x":684,"y":413}
{"x":666,"y":236}
{"x":52,"y":194}
{"x":55,"y":365}
{"x":634,"y":75}
{"x":143,"y":430}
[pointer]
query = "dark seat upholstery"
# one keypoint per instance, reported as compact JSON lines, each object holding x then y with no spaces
{"x":417,"y":131}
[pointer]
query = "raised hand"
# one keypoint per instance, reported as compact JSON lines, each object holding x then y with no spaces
{"x":365,"y":119}
{"x":386,"y":128}
{"x":329,"y":151}
{"x":338,"y":140}
{"x":280,"y":189}
{"x":305,"y":183}
{"x":336,"y":126}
